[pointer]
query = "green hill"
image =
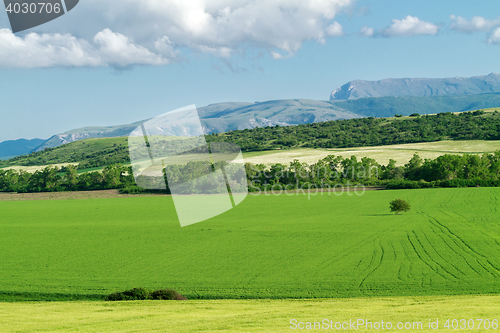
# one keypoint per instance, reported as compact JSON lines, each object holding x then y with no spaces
{"x":90,"y":152}
{"x":224,"y":117}
{"x":364,"y":132}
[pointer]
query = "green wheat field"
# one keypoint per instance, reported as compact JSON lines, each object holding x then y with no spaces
{"x":277,"y":247}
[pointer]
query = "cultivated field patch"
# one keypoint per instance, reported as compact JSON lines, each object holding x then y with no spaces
{"x":297,"y":246}
{"x":252,"y":315}
{"x":382,"y":154}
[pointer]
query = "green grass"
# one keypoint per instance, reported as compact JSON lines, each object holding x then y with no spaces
{"x":242,"y":315}
{"x":268,"y":247}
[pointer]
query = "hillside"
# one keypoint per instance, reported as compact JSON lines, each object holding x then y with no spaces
{"x":87,"y":133}
{"x":419,"y":87}
{"x":98,"y":152}
{"x":224,"y":117}
{"x":365,"y":132}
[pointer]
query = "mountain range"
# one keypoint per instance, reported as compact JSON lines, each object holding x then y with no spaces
{"x":12,"y":148}
{"x":419,"y":87}
{"x":356,"y":99}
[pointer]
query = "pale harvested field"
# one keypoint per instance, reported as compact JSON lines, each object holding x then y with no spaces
{"x":400,"y":153}
{"x":256,"y":315}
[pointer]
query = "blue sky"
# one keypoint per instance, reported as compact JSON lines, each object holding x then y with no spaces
{"x":111,"y":62}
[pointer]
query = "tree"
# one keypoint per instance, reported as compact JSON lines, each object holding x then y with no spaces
{"x":399,"y":205}
{"x":71,"y":177}
{"x":412,"y":168}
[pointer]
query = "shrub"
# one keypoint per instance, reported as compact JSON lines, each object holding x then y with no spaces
{"x":167,"y":294}
{"x":399,"y":205}
{"x":136,"y":294}
{"x":415,"y":115}
{"x":115,"y":297}
{"x":141,"y":294}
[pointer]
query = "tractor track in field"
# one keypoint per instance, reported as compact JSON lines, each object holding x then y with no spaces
{"x":376,"y":260}
{"x":408,"y":275}
{"x":430,"y":259}
{"x":440,"y":256}
{"x":422,"y":259}
{"x":494,"y":271}
{"x":487,"y":236}
{"x":439,"y":233}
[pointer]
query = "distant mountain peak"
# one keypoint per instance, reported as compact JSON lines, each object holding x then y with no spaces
{"x":419,"y":87}
{"x":13,"y":148}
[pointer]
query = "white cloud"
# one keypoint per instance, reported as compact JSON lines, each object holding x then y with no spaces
{"x":127,"y":32}
{"x":276,"y":55}
{"x":494,"y":38}
{"x":367,"y":31}
{"x":477,"y":23}
{"x":116,"y":49}
{"x":47,"y":50}
{"x":410,"y":26}
{"x":335,"y":29}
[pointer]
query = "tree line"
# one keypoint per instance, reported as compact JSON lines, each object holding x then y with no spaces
{"x":54,"y":179}
{"x":444,"y":171}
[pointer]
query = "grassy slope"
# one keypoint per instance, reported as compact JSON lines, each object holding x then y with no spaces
{"x":108,"y":148}
{"x":240,"y":315}
{"x":268,"y":247}
{"x":401,"y":153}
{"x":113,"y":150}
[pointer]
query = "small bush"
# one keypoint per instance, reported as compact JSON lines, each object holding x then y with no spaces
{"x":141,"y":294}
{"x":114,"y":297}
{"x":398,"y":115}
{"x":415,"y":115}
{"x":167,"y":294}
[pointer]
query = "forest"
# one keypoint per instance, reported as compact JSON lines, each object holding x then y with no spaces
{"x":363,"y":132}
